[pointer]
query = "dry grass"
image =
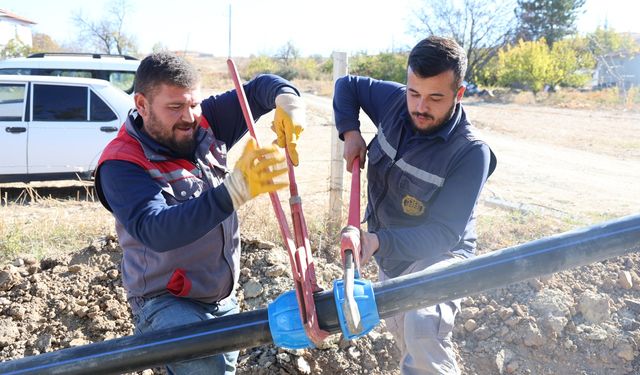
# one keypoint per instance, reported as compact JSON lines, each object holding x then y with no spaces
{"x":47,"y":226}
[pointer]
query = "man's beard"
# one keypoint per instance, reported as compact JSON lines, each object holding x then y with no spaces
{"x":432,"y":129}
{"x":183,"y":149}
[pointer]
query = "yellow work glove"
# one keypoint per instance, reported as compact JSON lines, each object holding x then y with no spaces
{"x":254,"y":173}
{"x":289,"y":122}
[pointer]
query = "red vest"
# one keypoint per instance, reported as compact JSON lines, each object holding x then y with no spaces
{"x":206,"y":269}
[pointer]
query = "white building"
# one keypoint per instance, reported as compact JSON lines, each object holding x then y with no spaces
{"x":13,"y":26}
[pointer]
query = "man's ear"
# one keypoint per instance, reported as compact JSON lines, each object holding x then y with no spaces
{"x":460,"y":92}
{"x":142,"y":104}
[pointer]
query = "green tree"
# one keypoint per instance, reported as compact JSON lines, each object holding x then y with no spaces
{"x":258,"y":65}
{"x":533,"y":65}
{"x":386,"y":66}
{"x":571,"y":63}
{"x":526,"y":65}
{"x":14,"y":48}
{"x":106,"y":35}
{"x":549,"y":19}
{"x":603,"y":42}
{"x":481,"y":27}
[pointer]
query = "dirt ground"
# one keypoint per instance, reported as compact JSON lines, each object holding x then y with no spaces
{"x":583,"y":166}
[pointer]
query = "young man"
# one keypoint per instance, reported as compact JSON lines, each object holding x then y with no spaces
{"x":165,"y":179}
{"x":426,"y":169}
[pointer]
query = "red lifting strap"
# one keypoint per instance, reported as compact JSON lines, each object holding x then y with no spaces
{"x":300,"y":256}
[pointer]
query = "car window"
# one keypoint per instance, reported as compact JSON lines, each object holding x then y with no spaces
{"x":11,"y":101}
{"x":14,"y":71}
{"x":67,"y":73}
{"x":59,"y":103}
{"x":122,"y":80}
{"x":99,"y":110}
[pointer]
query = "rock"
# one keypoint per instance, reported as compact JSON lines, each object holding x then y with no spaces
{"x":595,"y":308}
{"x":469,"y":312}
{"x":252,"y":289}
{"x":78,"y":342}
{"x":303,"y":366}
{"x":512,"y":367}
{"x":633,"y":305}
{"x":9,"y":278}
{"x":483,"y":332}
{"x":519,"y":310}
{"x":625,"y":351}
{"x":635,"y":279}
{"x":555,"y":324}
{"x":44,"y":342}
{"x":112,"y":274}
{"x":505,"y":313}
{"x":283,"y":357}
{"x":470,"y":325}
{"x":624,"y":279}
{"x":9,"y":332}
{"x":532,"y":336}
{"x":503,"y":358}
{"x":275,"y":270}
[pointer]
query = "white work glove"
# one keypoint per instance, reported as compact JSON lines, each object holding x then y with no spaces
{"x":254,"y":173}
{"x":288,"y":122}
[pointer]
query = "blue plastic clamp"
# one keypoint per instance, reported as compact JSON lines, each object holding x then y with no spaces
{"x":285,"y":323}
{"x":366,"y":301}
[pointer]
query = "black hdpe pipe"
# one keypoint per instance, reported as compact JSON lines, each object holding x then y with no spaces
{"x":250,"y":329}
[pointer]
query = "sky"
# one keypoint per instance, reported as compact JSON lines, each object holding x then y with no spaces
{"x":265,"y":26}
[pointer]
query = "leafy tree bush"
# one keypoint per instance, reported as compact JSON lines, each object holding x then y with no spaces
{"x":14,"y":48}
{"x":533,"y":65}
{"x":386,"y":66}
{"x":258,"y":65}
{"x":524,"y":65}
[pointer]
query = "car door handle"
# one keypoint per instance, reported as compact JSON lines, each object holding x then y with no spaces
{"x":108,"y":129}
{"x":15,"y":129}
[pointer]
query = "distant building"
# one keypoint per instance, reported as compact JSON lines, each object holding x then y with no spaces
{"x":617,"y":68}
{"x":12,"y":26}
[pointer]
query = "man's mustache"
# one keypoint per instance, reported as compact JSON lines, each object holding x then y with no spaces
{"x":423,"y":114}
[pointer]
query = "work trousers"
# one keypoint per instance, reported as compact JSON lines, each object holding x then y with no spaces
{"x":424,"y":336}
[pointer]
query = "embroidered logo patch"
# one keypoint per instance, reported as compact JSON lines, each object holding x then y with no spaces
{"x":412,"y":206}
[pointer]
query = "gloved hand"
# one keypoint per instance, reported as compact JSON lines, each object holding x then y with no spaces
{"x":288,"y":122}
{"x":254,"y":173}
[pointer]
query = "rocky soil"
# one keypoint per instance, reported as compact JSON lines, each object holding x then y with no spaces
{"x":582,"y":321}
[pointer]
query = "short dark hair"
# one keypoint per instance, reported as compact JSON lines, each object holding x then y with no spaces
{"x":164,"y":67}
{"x":435,"y":55}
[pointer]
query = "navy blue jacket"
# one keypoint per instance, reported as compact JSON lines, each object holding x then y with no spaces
{"x":422,"y":189}
{"x":135,"y":199}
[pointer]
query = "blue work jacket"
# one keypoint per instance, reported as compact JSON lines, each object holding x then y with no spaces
{"x":422,"y":189}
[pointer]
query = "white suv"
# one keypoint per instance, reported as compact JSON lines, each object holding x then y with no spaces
{"x":54,"y":128}
{"x":120,"y":70}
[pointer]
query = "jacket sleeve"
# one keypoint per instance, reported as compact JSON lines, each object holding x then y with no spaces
{"x":448,"y":214}
{"x":138,"y":204}
{"x":352,"y":93}
{"x":224,"y":114}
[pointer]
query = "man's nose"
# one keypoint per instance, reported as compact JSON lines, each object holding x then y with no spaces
{"x":422,"y":106}
{"x":188,"y":115}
